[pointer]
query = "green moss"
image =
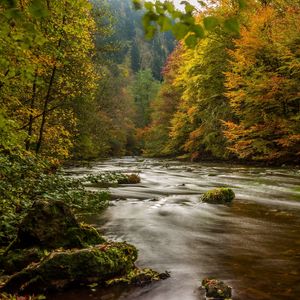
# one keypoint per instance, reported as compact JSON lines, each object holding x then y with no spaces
{"x":47,"y":226}
{"x":50,"y":224}
{"x":14,"y":261}
{"x":66,"y":267}
{"x":108,"y":179}
{"x":218,"y":196}
{"x":83,"y":236}
{"x":138,"y":277}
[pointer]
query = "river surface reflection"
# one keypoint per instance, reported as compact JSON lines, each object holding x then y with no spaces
{"x":254,"y":244}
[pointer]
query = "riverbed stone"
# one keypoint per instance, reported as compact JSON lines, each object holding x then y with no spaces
{"x":130,"y":179}
{"x":139,"y":277}
{"x":218,"y":196}
{"x":216,"y":289}
{"x":63,"y":268}
{"x":51,"y":224}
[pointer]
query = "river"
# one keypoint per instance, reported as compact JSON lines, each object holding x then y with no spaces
{"x":253,"y":245}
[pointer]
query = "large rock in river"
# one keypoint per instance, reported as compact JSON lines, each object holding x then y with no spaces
{"x":50,"y":224}
{"x":82,"y":256}
{"x":218,"y":196}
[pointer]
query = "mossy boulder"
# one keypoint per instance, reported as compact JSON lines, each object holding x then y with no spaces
{"x":218,"y":196}
{"x":216,"y":289}
{"x":47,"y":226}
{"x":53,"y":251}
{"x":51,"y":224}
{"x":63,"y":268}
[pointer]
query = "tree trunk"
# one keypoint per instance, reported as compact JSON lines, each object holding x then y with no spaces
{"x":31,"y":118}
{"x":47,"y":99}
{"x":45,"y":109}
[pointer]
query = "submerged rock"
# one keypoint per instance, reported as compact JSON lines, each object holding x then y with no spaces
{"x":216,"y":289}
{"x":51,"y":224}
{"x":63,"y":268}
{"x":218,"y":196}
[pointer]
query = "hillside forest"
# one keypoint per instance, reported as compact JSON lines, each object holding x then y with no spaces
{"x":80,"y":81}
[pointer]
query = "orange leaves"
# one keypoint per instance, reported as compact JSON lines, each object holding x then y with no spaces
{"x":263,"y":87}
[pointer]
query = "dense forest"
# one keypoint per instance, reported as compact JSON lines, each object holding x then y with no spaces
{"x":83,"y":81}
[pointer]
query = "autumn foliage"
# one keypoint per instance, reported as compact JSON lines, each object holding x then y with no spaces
{"x":263,"y":87}
{"x":238,"y":95}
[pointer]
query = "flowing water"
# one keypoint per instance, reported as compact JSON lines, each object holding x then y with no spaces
{"x":254,"y":244}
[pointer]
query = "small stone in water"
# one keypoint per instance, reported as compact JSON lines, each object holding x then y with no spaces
{"x":216,"y":289}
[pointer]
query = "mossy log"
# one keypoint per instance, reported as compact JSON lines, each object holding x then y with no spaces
{"x":218,"y":196}
{"x":67,"y":267}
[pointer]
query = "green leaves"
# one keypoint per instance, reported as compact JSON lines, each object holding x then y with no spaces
{"x":167,"y":17}
{"x":191,"y":41}
{"x":242,"y":4}
{"x":188,"y":7}
{"x":180,"y":30}
{"x":232,"y":25}
{"x":210,"y":22}
{"x":165,"y":23}
{"x":137,"y":4}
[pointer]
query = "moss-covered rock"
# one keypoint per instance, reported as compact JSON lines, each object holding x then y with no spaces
{"x":67,"y":267}
{"x":50,"y":224}
{"x":108,"y":179}
{"x":38,"y":268}
{"x":129,"y":179}
{"x":138,"y":277}
{"x":16,"y":260}
{"x":216,"y":289}
{"x":218,"y":196}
